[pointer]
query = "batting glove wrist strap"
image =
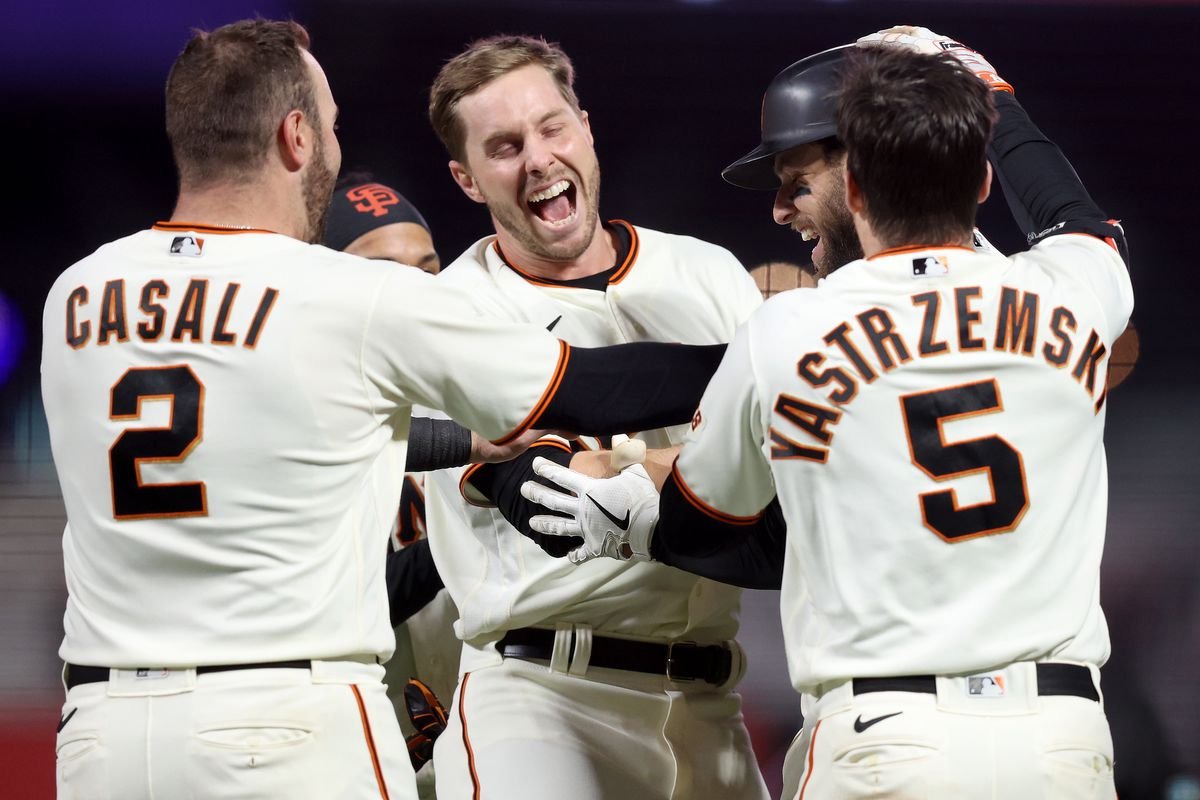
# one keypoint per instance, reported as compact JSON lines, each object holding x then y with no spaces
{"x":615,"y":516}
{"x":924,"y":40}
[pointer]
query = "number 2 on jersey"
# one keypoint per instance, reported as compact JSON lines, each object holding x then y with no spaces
{"x":924,"y":414}
{"x":131,"y":498}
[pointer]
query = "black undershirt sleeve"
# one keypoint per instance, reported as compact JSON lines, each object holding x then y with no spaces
{"x":629,"y":387}
{"x":501,"y":483}
{"x":412,"y":580}
{"x":749,"y":555}
{"x":1042,"y":189}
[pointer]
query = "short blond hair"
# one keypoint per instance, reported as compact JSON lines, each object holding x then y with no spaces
{"x":482,"y":62}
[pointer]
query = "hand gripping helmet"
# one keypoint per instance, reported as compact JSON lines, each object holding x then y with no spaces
{"x":797,"y":108}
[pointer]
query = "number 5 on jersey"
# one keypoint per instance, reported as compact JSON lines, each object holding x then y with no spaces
{"x":133,"y":499}
{"x":924,"y":414}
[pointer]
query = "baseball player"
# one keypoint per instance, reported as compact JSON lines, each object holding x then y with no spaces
{"x":372,"y":220}
{"x":801,"y":159}
{"x":615,"y":680}
{"x":930,"y":423}
{"x":228,"y":408}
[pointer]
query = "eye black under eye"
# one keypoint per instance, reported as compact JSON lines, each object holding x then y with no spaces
{"x":800,"y":191}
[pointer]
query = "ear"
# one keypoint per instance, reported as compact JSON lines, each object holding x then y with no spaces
{"x":466,"y":181}
{"x":295,"y":139}
{"x":854,"y":197}
{"x":986,"y":189}
{"x":587,"y":127}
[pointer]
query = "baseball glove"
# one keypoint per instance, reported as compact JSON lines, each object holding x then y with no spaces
{"x":428,"y":717}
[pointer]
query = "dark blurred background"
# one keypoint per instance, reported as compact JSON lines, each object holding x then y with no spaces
{"x":673,"y":89}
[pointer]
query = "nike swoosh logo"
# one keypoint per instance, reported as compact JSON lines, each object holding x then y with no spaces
{"x":62,"y":723}
{"x":623,"y":524}
{"x":859,"y":725}
{"x":550,"y":327}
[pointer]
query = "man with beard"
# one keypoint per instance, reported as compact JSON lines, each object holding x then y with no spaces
{"x":615,"y":680}
{"x":802,"y":160}
{"x":913,"y":420}
{"x":229,"y":407}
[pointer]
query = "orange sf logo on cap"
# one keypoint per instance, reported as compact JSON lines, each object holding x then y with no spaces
{"x":373,"y":198}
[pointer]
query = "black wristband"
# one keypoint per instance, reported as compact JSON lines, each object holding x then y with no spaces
{"x":437,"y":444}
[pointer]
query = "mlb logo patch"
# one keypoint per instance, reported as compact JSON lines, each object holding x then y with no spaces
{"x":987,"y":685}
{"x":930,"y":267}
{"x":187,"y":246}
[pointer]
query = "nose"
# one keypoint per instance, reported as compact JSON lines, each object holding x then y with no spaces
{"x":785,"y":206}
{"x":538,"y":158}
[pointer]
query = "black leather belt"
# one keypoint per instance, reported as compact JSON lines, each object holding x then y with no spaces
{"x":78,"y":675}
{"x":678,"y":661}
{"x":1070,"y":680}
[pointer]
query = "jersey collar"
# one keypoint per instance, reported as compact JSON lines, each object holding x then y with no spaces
{"x":916,"y":248}
{"x":626,"y":239}
{"x":189,"y":227}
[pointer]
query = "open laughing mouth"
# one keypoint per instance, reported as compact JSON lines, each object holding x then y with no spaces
{"x":554,"y":205}
{"x":809,"y":233}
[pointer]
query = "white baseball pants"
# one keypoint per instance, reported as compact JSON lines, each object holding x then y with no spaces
{"x":953,"y":744}
{"x":521,"y":730}
{"x":325,"y":733}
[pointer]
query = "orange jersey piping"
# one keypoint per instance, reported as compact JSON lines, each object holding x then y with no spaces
{"x":564,"y":356}
{"x":705,"y":508}
{"x":214,"y":229}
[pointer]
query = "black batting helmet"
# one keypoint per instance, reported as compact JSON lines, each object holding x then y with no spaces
{"x":797,"y":108}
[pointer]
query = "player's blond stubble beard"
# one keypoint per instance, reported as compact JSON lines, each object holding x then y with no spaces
{"x":519,"y":227}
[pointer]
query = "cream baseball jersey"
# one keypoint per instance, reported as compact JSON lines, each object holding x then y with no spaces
{"x":667,"y":288}
{"x":228,"y":415}
{"x":932,"y":423}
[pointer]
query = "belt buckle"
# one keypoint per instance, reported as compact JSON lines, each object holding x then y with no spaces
{"x":671,"y":663}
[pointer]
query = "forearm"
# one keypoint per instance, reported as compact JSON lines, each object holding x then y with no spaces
{"x":598,"y":463}
{"x":437,"y":444}
{"x":1043,"y":191}
{"x":501,"y":485}
{"x":748,"y":554}
{"x":629,"y":387}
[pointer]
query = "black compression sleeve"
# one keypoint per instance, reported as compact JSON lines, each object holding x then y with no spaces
{"x":412,"y":580}
{"x":630,"y":387}
{"x":1042,"y":189}
{"x":749,"y":555}
{"x":437,"y":444}
{"x":501,"y":483}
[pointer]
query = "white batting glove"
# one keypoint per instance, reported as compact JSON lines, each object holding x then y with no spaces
{"x":614,"y":516}
{"x":924,"y":40}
